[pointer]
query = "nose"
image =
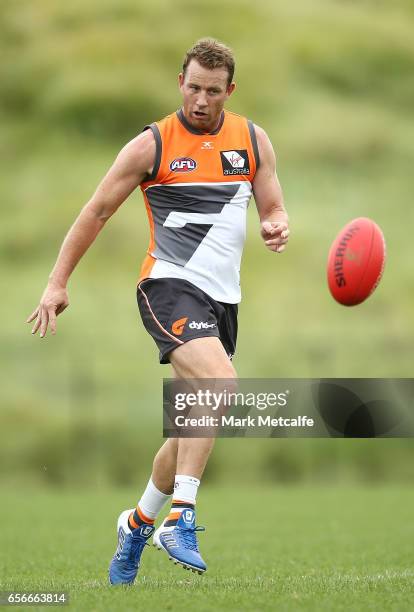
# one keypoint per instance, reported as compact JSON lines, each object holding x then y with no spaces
{"x":201,"y":99}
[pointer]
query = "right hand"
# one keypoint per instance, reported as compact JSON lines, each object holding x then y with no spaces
{"x":53,"y":301}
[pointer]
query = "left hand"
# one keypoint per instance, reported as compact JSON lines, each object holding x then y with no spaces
{"x":275,"y":235}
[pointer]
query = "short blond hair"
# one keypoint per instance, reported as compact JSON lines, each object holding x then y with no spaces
{"x":210,"y":53}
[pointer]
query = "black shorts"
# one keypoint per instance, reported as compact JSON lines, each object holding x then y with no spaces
{"x":175,"y":311}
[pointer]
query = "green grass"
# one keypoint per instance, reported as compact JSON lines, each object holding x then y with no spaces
{"x":266,"y":548}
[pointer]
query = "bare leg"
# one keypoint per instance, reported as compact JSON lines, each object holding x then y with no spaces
{"x":165,"y":466}
{"x":199,"y":358}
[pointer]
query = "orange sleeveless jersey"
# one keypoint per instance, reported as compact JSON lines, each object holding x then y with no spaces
{"x":196,"y":200}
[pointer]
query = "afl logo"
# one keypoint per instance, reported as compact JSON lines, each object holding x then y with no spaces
{"x":183,"y":164}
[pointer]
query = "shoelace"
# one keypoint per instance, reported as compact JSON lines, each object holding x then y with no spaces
{"x":189,"y":537}
{"x":135,"y":550}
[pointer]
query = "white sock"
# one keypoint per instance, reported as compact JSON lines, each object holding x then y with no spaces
{"x":152,"y":500}
{"x":185,"y":488}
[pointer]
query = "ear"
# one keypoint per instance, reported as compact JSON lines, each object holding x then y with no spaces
{"x":180,"y":80}
{"x":230,"y":89}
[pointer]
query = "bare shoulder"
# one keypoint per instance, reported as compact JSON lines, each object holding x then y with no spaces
{"x":140,"y":151}
{"x":260,"y":133}
{"x":143,"y":143}
{"x":266,"y":151}
{"x":142,"y":146}
{"x":263,"y":140}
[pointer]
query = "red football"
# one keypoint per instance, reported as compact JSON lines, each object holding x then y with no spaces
{"x":356,"y":261}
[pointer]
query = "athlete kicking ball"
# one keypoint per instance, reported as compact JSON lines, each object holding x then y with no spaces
{"x":197,"y":169}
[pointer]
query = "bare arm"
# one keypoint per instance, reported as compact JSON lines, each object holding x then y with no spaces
{"x":132,"y":165}
{"x":269,"y":198}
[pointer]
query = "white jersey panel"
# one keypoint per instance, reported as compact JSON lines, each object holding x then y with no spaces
{"x":204,"y":248}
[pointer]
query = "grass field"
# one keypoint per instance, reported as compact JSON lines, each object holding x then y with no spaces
{"x":282,"y":549}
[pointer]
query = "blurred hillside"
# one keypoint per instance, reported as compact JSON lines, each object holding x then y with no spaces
{"x":332,"y":83}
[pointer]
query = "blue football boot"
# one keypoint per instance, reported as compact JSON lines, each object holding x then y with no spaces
{"x":180,"y":542}
{"x":125,"y":562}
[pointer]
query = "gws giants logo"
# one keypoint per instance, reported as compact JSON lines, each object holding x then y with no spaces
{"x":235,"y":162}
{"x":178,"y":326}
{"x":183,"y":164}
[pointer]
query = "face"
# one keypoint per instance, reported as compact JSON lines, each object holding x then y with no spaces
{"x":204,"y":94}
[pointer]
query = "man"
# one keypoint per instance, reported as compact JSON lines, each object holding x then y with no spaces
{"x":197,"y":169}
